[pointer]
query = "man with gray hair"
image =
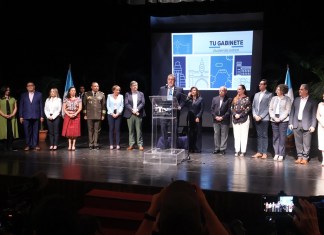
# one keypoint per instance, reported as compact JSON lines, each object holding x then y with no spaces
{"x":221,"y":112}
{"x":302,"y":120}
{"x":134,"y":112}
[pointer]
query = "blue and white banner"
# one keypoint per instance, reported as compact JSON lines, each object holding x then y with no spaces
{"x":290,"y":94}
{"x":68,"y":84}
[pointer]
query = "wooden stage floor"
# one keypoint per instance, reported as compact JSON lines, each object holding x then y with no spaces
{"x":212,"y":172}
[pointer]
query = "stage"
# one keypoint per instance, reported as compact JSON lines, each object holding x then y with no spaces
{"x":220,"y":173}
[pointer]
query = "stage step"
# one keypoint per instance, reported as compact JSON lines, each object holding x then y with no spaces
{"x":116,"y":211}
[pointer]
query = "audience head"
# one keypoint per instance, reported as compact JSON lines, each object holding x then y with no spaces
{"x":180,"y":210}
{"x":53,"y":216}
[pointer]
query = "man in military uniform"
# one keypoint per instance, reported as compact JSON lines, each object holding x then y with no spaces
{"x":94,"y":110}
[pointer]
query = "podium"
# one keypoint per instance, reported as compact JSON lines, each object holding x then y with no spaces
{"x":164,"y":132}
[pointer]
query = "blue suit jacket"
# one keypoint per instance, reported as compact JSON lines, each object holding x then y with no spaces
{"x":129,"y":104}
{"x":31,"y":110}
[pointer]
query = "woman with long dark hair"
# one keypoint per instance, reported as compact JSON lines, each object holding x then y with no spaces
{"x":195,"y":104}
{"x":241,"y":108}
{"x":72,"y":106}
{"x":8,"y":120}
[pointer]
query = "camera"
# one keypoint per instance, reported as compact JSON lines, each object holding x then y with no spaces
{"x":273,"y":205}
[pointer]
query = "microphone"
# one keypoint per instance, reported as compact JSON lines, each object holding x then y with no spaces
{"x":166,"y":86}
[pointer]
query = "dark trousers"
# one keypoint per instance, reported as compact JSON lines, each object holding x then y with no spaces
{"x":31,"y":129}
{"x":262,"y":136}
{"x":94,"y":128}
{"x":302,"y":141}
{"x":279,"y":130}
{"x":167,"y":124}
{"x":114,"y":128}
{"x":53,"y":131}
{"x":9,"y":135}
{"x":194,"y":135}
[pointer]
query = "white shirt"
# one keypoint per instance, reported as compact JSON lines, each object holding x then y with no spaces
{"x":31,"y":96}
{"x":301,"y":107}
{"x":53,"y":106}
{"x":134,"y":97}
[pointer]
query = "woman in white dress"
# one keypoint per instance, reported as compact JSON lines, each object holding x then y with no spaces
{"x":320,"y":130}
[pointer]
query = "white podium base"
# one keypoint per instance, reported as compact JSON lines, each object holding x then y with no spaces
{"x":163,"y":156}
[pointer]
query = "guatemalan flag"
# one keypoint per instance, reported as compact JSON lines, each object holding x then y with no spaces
{"x":290,"y":93}
{"x":68,"y":84}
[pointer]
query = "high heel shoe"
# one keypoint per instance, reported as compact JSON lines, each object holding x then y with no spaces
{"x":69,"y":148}
{"x":55,"y":148}
{"x":51,"y":147}
{"x":73,"y":148}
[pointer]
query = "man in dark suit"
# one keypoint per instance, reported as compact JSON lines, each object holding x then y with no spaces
{"x":84,"y":126}
{"x":134,"y":112}
{"x":170,"y":91}
{"x":31,"y":112}
{"x":221,"y":112}
{"x":302,"y":120}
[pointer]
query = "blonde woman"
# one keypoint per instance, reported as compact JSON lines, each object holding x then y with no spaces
{"x":115,"y":106}
{"x":72,"y":106}
{"x":52,"y":109}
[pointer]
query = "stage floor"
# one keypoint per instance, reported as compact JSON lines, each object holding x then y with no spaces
{"x":212,"y":172}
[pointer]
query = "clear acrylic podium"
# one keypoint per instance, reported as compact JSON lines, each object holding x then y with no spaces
{"x":163,"y":147}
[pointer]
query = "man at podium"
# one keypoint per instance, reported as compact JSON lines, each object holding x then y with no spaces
{"x":171,"y":91}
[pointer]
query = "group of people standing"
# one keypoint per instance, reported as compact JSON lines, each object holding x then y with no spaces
{"x":92,"y":106}
{"x":300,"y":116}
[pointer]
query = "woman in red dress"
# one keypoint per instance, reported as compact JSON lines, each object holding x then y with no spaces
{"x":72,"y":107}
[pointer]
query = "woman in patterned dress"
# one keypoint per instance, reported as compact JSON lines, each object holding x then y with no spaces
{"x":72,"y":106}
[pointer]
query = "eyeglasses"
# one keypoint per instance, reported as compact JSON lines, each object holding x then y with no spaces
{"x":261,"y":84}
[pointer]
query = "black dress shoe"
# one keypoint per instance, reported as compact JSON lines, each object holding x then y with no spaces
{"x":222,"y":152}
{"x":216,"y":152}
{"x":90,"y":147}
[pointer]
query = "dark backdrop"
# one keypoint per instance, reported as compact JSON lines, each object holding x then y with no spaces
{"x":109,"y":42}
